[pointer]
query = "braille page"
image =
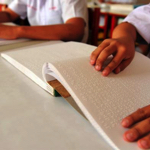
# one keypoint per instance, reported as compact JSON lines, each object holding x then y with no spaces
{"x":105,"y":101}
{"x":30,"y":60}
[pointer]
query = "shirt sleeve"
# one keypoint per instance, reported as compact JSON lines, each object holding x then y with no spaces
{"x":74,"y":8}
{"x":140,"y":18}
{"x":19,"y":7}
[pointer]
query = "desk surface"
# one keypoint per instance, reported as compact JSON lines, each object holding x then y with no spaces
{"x":31,"y":119}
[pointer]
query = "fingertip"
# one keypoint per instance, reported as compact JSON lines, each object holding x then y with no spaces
{"x":93,"y":58}
{"x":92,"y":62}
{"x":125,"y":123}
{"x":130,"y":136}
{"x":125,"y":138}
{"x":97,"y":67}
{"x":105,"y":72}
{"x":143,"y":144}
{"x":139,"y":143}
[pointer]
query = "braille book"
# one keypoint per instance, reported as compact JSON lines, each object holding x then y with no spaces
{"x":104,"y":101}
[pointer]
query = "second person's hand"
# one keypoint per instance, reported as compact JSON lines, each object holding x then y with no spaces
{"x":122,"y":50}
{"x":121,"y":46}
{"x":139,"y":124}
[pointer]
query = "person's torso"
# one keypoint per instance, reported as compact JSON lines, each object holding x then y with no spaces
{"x":51,"y":12}
{"x":44,"y":12}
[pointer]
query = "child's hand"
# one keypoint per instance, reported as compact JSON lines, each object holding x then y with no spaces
{"x":122,"y":49}
{"x":141,"y":131}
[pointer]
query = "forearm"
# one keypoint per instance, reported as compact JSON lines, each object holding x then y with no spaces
{"x":8,"y":16}
{"x":125,"y":30}
{"x":72,"y":30}
{"x":51,"y":32}
{"x":5,"y":17}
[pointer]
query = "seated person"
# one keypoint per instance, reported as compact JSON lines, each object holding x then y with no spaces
{"x":49,"y":20}
{"x":122,"y":46}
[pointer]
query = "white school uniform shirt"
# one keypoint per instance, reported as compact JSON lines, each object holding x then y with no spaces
{"x":50,"y":12}
{"x":140,"y":18}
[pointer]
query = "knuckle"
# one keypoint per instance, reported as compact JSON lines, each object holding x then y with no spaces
{"x":106,"y":52}
{"x":114,"y":62}
{"x":104,"y":43}
{"x":110,"y":68}
{"x":100,"y":46}
{"x":98,"y":61}
{"x":148,"y":121}
{"x":148,"y":136}
{"x":131,"y":118}
{"x":141,"y":113}
{"x":137,"y":131}
{"x":118,"y":44}
{"x":112,"y":65}
{"x":123,"y":49}
{"x":106,"y":40}
{"x":115,"y":42}
{"x":94,"y":54}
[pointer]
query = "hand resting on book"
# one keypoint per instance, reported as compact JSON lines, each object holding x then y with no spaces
{"x":122,"y":51}
{"x":139,"y":121}
{"x":121,"y":46}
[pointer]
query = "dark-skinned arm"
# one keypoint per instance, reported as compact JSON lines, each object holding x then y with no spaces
{"x":73,"y":29}
{"x":121,"y":46}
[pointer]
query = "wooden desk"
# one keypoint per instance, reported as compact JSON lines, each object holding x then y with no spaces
{"x":113,"y":16}
{"x":31,"y":119}
{"x":111,"y":19}
{"x":114,"y":19}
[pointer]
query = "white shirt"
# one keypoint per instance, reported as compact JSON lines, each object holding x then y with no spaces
{"x":140,"y":18}
{"x":50,"y":12}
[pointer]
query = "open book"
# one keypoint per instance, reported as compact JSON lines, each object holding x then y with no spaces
{"x":103,"y":100}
